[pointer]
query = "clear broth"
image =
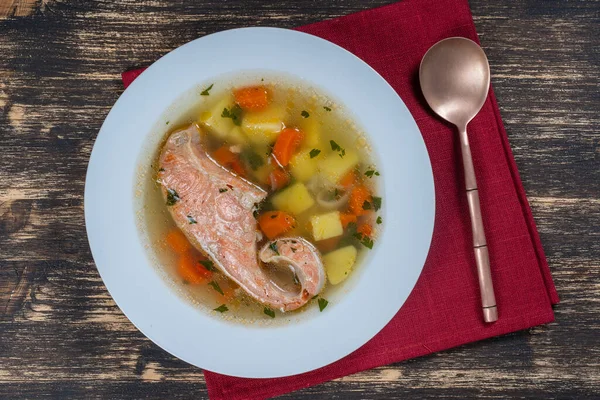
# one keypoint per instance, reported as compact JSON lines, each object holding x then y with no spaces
{"x":297,"y":98}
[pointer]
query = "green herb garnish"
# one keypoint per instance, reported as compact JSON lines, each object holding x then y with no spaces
{"x":216,"y":286}
{"x":167,"y":123}
{"x":364,"y":240}
{"x":327,"y":108}
{"x":366,"y":205}
{"x":338,"y":148}
{"x":235,"y":114}
{"x":273,"y":246}
{"x":314,"y":152}
{"x":254,"y":160}
{"x":205,"y":91}
{"x":376,"y":203}
{"x":191,"y":219}
{"x":172,"y":197}
{"x":222,"y":308}
{"x":379,"y":220}
{"x":208,"y":265}
{"x":322,"y":304}
{"x":371,"y":172}
{"x":222,"y":190}
{"x":269,"y":312}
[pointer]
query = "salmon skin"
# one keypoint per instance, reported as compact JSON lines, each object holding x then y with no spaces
{"x":196,"y":188}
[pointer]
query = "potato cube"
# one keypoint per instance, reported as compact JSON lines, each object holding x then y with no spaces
{"x":312,"y":132}
{"x":263,"y":127}
{"x":294,"y":199}
{"x":338,"y":264}
{"x":302,"y":166}
{"x":261,"y":174}
{"x":326,"y":226}
{"x":236,"y":136}
{"x":212,"y":119}
{"x":334,"y":167}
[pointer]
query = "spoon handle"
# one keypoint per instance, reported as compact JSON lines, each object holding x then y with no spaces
{"x":488,"y":300}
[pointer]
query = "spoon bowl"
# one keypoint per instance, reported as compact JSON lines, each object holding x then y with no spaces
{"x":455,"y":77}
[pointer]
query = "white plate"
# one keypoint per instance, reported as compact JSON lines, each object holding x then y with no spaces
{"x":261,"y":351}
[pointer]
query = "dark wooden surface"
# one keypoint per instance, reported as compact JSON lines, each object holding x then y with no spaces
{"x":61,"y":335}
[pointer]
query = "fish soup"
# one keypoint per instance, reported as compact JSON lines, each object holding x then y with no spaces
{"x":263,"y":199}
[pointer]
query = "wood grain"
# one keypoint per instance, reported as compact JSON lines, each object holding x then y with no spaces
{"x":61,"y":334}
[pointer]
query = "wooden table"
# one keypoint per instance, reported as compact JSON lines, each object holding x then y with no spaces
{"x":61,"y":334}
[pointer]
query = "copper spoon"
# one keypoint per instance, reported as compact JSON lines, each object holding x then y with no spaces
{"x":455,"y":78}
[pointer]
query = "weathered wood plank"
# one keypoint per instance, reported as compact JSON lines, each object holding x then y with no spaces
{"x":61,"y":335}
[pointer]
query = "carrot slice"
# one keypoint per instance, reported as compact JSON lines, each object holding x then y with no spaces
{"x":190,"y":271}
{"x":229,"y":160}
{"x":365,"y":229}
{"x":327,"y":245}
{"x":177,"y":241}
{"x":252,"y":98}
{"x":278,"y":179}
{"x":275,"y":223}
{"x":286,"y":145}
{"x":347,"y":218}
{"x":358,"y":197}
{"x":349,"y":179}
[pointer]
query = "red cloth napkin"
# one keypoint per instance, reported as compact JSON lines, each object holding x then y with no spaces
{"x":444,"y":309}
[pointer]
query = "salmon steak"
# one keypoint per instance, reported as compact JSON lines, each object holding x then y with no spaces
{"x":222,"y":205}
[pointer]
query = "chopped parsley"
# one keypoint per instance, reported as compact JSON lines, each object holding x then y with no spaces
{"x":208,"y":265}
{"x":364,"y":240}
{"x":322,"y":304}
{"x":235,"y":113}
{"x":216,"y":286}
{"x":222,"y":308}
{"x":334,"y":146}
{"x":366,"y":205}
{"x":191,"y":219}
{"x":273,"y":246}
{"x":305,"y":114}
{"x":327,"y":108}
{"x":206,"y":91}
{"x":254,"y":160}
{"x":172,"y":197}
{"x":167,"y":123}
{"x":222,"y":190}
{"x":379,"y":220}
{"x":376,"y":203}
{"x":269,"y":312}
{"x":338,"y":148}
{"x":371,"y":172}
{"x":314,"y":152}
